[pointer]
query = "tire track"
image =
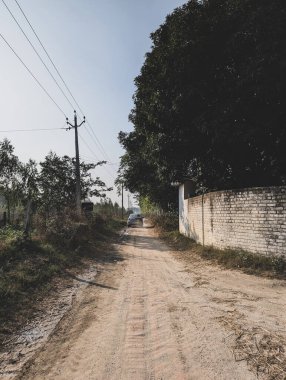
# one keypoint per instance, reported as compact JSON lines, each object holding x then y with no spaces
{"x":151,"y":322}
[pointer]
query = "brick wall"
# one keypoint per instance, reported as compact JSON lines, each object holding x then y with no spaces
{"x":252,"y":219}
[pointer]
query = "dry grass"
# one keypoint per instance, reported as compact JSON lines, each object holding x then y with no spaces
{"x":28,"y":267}
{"x":248,"y":262}
{"x":264,"y":351}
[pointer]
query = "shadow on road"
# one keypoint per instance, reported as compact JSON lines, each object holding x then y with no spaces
{"x":144,"y":242}
{"x":88,"y":281}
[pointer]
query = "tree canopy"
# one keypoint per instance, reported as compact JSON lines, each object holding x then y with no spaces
{"x":50,"y":188}
{"x":210,"y":101}
{"x":57,"y":181}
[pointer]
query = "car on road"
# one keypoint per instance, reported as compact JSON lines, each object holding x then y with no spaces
{"x":135,"y":220}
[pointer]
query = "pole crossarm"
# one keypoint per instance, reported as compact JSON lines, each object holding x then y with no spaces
{"x":71,"y":126}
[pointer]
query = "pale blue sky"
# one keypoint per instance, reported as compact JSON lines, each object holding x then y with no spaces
{"x":99,"y":48}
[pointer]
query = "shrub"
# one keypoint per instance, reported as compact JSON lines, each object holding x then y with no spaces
{"x":167,"y":221}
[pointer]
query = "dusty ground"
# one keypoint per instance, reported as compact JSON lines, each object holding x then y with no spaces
{"x":160,"y":315}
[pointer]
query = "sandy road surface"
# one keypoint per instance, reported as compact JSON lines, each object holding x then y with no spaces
{"x":157,"y":317}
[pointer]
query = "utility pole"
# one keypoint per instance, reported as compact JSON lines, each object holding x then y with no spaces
{"x":77,"y":169}
{"x":122,"y":201}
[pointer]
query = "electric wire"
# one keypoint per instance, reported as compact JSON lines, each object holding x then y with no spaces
{"x":91,"y":161}
{"x":98,"y":143}
{"x":105,"y":156}
{"x":92,"y":158}
{"x":35,"y":78}
{"x":96,"y":157}
{"x":103,"y":151}
{"x":31,"y":130}
{"x":36,"y":52}
{"x":87,"y":157}
{"x":92,"y":152}
{"x":96,"y":140}
{"x":88,"y":147}
{"x":93,"y":136}
{"x":50,"y":59}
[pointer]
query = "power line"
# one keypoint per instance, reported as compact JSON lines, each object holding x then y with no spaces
{"x":30,"y":72}
{"x":93,"y":137}
{"x":36,"y":52}
{"x":91,"y":160}
{"x":98,"y":143}
{"x":96,"y":157}
{"x":50,"y":59}
{"x":32,"y":130}
{"x":96,"y":162}
{"x":89,"y":148}
{"x":107,"y":162}
{"x":87,"y":157}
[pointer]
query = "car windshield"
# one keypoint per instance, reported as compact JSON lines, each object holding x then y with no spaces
{"x":134,"y":216}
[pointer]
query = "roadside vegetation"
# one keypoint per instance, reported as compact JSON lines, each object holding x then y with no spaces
{"x":251,"y":263}
{"x":41,"y":236}
{"x":30,"y":266}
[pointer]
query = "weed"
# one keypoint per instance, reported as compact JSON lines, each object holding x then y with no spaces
{"x":230,"y":258}
{"x":167,"y":221}
{"x":27,"y":267}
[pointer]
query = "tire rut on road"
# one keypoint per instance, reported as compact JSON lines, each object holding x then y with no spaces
{"x":152,"y":321}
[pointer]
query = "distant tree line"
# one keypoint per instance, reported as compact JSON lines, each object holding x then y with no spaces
{"x":107,"y":208}
{"x":210,"y":101}
{"x":50,"y":185}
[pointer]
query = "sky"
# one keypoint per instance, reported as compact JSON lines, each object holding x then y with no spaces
{"x":98,"y":47}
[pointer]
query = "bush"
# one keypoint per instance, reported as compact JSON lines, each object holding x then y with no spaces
{"x":97,"y":222}
{"x":167,"y":221}
{"x":229,"y":258}
{"x":63,"y":229}
{"x":10,"y":234}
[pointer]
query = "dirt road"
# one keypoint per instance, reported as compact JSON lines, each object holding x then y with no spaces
{"x":155,"y":316}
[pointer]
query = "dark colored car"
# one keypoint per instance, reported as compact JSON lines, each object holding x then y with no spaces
{"x":135,"y":220}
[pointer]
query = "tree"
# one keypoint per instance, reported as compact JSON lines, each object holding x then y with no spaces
{"x":57,"y":182}
{"x":29,"y":180}
{"x":210,"y":101}
{"x":10,"y":176}
{"x":107,"y":208}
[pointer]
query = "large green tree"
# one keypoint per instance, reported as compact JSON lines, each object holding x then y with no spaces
{"x":210,"y":101}
{"x":57,"y":182}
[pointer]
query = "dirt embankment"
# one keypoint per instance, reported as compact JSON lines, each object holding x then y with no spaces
{"x":155,"y":314}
